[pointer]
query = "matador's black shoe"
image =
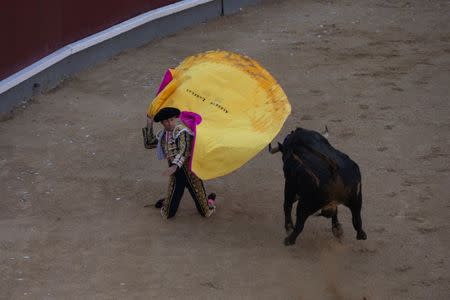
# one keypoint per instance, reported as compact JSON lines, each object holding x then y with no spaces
{"x":159,"y":203}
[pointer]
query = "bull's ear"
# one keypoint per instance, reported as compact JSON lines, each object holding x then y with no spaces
{"x":280,"y":147}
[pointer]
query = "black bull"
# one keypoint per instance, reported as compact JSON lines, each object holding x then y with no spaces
{"x":320,"y":177}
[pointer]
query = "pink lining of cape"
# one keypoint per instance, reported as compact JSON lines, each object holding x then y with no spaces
{"x":166,"y":79}
{"x":191,"y":120}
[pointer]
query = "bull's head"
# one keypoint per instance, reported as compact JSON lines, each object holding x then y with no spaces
{"x":278,"y":148}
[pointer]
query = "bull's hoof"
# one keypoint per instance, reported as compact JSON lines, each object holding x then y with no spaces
{"x":289,"y":241}
{"x":337,"y":230}
{"x":361,"y":235}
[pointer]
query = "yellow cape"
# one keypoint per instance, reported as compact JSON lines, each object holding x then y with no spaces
{"x":242,"y":106}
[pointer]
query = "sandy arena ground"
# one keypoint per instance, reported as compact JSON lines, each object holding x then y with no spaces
{"x":74,"y":175}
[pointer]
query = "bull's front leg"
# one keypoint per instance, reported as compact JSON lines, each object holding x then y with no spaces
{"x":289,"y":199}
{"x":302,"y":215}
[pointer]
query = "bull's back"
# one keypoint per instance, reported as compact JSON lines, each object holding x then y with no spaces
{"x":303,"y":140}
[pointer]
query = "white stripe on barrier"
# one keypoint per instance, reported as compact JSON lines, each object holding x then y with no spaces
{"x":94,"y":39}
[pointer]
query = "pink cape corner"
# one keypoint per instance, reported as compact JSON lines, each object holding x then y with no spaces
{"x":166,"y":80}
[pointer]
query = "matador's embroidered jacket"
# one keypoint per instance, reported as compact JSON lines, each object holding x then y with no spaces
{"x":175,"y":146}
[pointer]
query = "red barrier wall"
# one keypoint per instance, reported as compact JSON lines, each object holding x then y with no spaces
{"x":30,"y":30}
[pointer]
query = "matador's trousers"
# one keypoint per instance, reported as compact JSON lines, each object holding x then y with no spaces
{"x":181,"y":179}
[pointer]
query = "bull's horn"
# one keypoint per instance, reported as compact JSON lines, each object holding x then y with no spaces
{"x":325,"y":133}
{"x":273,"y":150}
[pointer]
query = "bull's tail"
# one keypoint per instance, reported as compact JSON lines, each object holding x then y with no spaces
{"x":355,"y":199}
{"x":326,"y":132}
{"x":359,"y":194}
